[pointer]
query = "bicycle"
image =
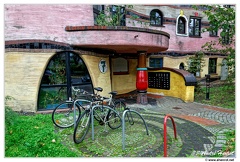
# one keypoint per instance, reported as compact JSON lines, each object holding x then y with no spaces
{"x":63,"y":114}
{"x":105,"y":115}
{"x":116,"y":104}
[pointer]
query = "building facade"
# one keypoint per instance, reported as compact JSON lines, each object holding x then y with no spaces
{"x":50,"y":47}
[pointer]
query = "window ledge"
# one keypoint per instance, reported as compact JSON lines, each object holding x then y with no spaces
{"x":158,"y":25}
{"x":191,"y":36}
{"x":213,"y":36}
{"x":120,"y":73}
{"x":183,"y":35}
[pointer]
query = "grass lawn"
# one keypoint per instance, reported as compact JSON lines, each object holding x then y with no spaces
{"x":33,"y":136}
{"x":222,"y":96}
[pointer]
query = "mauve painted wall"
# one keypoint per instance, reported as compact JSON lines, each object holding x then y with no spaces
{"x":48,"y":22}
{"x":44,"y":21}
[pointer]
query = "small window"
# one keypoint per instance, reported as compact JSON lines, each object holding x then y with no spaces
{"x":120,"y":66}
{"x":213,"y":32}
{"x":195,"y":27}
{"x":212,"y":66}
{"x":226,"y":39}
{"x":182,"y":25}
{"x":156,"y":62}
{"x":181,"y":66}
{"x":97,"y":9}
{"x":156,"y":18}
{"x":119,"y":12}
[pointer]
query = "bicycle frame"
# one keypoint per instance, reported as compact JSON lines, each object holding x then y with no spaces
{"x":92,"y":117}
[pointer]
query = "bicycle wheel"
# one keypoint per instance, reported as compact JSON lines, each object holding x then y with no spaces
{"x":82,"y":127}
{"x":114,"y":120}
{"x":63,"y":114}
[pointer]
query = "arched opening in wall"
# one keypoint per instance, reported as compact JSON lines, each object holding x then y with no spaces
{"x":181,"y":66}
{"x":182,"y":25}
{"x":156,"y":18}
{"x":64,"y":70}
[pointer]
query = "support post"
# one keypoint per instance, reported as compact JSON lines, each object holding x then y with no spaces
{"x":142,"y":79}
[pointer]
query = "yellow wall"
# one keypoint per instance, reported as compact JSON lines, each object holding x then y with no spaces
{"x":177,"y":87}
{"x":23,"y":72}
{"x":174,"y":62}
{"x":22,"y":76}
{"x":127,"y":82}
{"x":98,"y":79}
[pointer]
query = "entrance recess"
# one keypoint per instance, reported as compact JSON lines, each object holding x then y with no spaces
{"x":63,"y":70}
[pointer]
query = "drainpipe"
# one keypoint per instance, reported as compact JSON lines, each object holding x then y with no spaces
{"x":142,"y":79}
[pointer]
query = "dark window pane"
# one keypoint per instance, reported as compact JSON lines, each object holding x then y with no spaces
{"x":63,"y":70}
{"x":156,"y":18}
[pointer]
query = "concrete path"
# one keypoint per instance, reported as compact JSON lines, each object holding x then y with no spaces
{"x":204,"y":127}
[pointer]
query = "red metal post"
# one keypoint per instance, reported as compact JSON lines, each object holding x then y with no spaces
{"x":165,"y":133}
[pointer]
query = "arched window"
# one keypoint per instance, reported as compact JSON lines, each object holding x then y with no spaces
{"x":156,"y":18}
{"x":181,"y":66}
{"x":63,"y":70}
{"x":182,"y":25}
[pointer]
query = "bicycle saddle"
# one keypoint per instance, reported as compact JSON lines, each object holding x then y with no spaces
{"x":98,"y":89}
{"x":113,"y":93}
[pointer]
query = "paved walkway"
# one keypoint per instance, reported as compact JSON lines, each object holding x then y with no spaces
{"x":210,"y":123}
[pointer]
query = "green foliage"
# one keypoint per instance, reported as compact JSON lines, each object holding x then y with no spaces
{"x":223,"y":96}
{"x":196,"y":63}
{"x":222,"y":18}
{"x":32,"y":136}
{"x":107,"y":18}
{"x":58,"y":69}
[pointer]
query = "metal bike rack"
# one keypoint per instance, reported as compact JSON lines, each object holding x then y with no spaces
{"x":92,"y":117}
{"x":74,"y":109}
{"x":123,"y":125}
{"x":165,"y":133}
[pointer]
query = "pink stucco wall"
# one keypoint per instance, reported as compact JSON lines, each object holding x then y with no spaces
{"x":44,"y":21}
{"x":48,"y":22}
{"x":186,"y":43}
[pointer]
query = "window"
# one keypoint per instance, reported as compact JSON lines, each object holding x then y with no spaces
{"x":213,"y":32}
{"x":212,"y":66}
{"x":181,"y":66}
{"x":63,"y":70}
{"x":119,"y":12}
{"x":156,"y":18}
{"x":156,"y":62}
{"x":97,"y":9}
{"x":195,"y":26}
{"x":182,"y":25}
{"x":226,"y":38}
{"x":120,"y":66}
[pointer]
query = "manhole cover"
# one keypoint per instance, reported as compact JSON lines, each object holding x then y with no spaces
{"x":176,"y":108}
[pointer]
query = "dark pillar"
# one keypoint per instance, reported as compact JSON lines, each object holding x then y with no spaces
{"x":142,"y":79}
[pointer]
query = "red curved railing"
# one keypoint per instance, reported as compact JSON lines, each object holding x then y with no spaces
{"x":165,"y":133}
